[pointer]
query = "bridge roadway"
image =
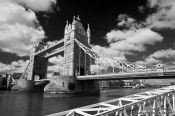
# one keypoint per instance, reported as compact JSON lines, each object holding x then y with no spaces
{"x":157,"y":102}
{"x":130,"y":75}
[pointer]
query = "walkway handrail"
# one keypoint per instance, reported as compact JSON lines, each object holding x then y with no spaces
{"x":163,"y":97}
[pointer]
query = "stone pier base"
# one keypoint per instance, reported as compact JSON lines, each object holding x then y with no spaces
{"x":24,"y":85}
{"x":67,"y":86}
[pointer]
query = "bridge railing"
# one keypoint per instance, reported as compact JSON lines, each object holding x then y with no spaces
{"x":128,"y":75}
{"x":158,"y":102}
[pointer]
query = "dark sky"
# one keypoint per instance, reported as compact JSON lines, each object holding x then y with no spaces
{"x":100,"y":14}
{"x":102,"y":17}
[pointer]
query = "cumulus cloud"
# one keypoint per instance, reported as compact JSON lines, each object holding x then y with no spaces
{"x":19,"y":27}
{"x":15,"y":66}
{"x":137,"y":35}
{"x":132,"y":37}
{"x":57,"y":64}
{"x":109,"y":52}
{"x":20,"y":65}
{"x":19,"y":38}
{"x":132,"y":40}
{"x":161,"y":56}
{"x":125,"y":21}
{"x":39,"y":5}
{"x":6,"y":67}
{"x":12,"y":13}
{"x":164,"y":17}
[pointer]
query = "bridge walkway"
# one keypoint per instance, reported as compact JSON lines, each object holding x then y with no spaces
{"x":130,"y":75}
{"x":150,"y":103}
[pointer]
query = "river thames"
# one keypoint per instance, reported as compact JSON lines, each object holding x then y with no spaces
{"x":34,"y":104}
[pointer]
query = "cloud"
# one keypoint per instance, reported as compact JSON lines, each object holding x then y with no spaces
{"x":19,"y":26}
{"x":161,"y":56}
{"x":57,"y":64}
{"x":164,"y":17}
{"x":109,"y":52}
{"x":132,"y":37}
{"x":12,"y":13}
{"x":125,"y":21}
{"x":132,"y":40}
{"x":57,"y":60}
{"x":6,"y":67}
{"x":39,"y":5}
{"x":19,"y":38}
{"x":15,"y":66}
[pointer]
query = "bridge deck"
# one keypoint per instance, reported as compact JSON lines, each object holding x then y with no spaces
{"x":161,"y":97}
{"x":134,"y":75}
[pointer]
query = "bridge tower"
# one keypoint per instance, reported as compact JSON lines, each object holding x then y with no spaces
{"x":39,"y":63}
{"x":36,"y":68}
{"x":76,"y":62}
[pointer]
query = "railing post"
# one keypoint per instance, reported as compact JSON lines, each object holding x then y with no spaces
{"x":140,"y":108}
{"x":120,"y":113}
{"x":113,"y":68}
{"x":164,"y":106}
{"x":173,"y":101}
{"x":132,"y":108}
{"x":154,"y":108}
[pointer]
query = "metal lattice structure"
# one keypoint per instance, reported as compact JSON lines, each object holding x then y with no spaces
{"x":107,"y":61}
{"x":158,"y":102}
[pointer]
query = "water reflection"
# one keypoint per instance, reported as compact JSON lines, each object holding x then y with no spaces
{"x":33,"y":104}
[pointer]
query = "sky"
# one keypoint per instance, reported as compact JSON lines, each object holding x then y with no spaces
{"x":141,"y":31}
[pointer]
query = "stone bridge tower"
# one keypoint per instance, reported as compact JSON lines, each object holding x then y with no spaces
{"x":76,"y":62}
{"x":37,"y":68}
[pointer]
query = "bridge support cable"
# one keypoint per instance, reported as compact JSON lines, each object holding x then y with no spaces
{"x":25,"y":71}
{"x":124,"y":66}
{"x":95,"y":56}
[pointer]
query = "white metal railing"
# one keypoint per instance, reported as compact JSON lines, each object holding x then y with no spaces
{"x":128,"y":74}
{"x":157,"y":102}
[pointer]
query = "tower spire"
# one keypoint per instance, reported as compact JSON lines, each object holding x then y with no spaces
{"x":66,"y":24}
{"x":66,"y":27}
{"x":78,"y":18}
{"x":89,"y":34}
{"x":74,"y":20}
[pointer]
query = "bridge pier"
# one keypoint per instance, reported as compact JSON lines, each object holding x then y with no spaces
{"x":67,"y":86}
{"x":24,"y":85}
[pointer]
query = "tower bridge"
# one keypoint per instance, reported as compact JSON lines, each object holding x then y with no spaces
{"x":79,"y":58}
{"x":77,"y":74}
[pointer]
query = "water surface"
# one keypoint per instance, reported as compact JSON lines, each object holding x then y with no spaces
{"x":34,"y":104}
